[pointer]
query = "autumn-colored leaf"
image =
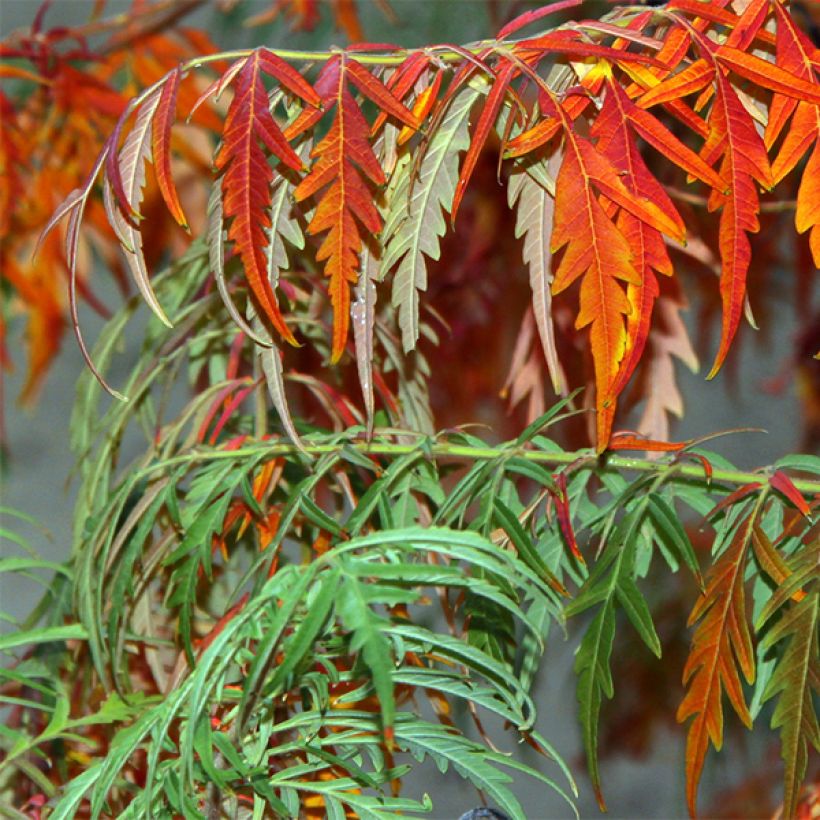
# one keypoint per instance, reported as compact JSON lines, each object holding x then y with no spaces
{"x":734,"y":497}
{"x":794,"y":55}
{"x":247,"y":175}
{"x":783,"y":484}
{"x":130,"y":164}
{"x":721,"y":650}
{"x":340,"y":160}
{"x":694,"y":77}
{"x":744,"y":163}
{"x":624,"y":441}
{"x":748,"y":26}
{"x":504,"y":75}
{"x":599,"y":253}
{"x":562,"y":510}
{"x":616,"y":142}
{"x":161,"y":138}
{"x":529,"y":17}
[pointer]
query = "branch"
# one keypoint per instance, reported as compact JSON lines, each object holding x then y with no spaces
{"x":584,"y":459}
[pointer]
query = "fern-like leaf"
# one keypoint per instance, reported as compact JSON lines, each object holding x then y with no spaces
{"x":248,"y":176}
{"x":414,"y":222}
{"x":535,"y":208}
{"x":744,"y":162}
{"x":345,"y":167}
{"x":796,"y":678}
{"x":721,"y":650}
{"x":610,"y":584}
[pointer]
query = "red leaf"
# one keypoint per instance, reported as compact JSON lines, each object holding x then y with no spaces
{"x":160,"y":145}
{"x":248,"y":176}
{"x":377,"y":92}
{"x":737,"y":495}
{"x":489,"y":114}
{"x":529,"y":17}
{"x":341,"y":158}
{"x":564,"y":515}
{"x":401,"y":82}
{"x":733,"y":135}
{"x":783,"y":484}
{"x":715,"y":13}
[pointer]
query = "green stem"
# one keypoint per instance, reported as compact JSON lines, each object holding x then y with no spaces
{"x":582,"y":459}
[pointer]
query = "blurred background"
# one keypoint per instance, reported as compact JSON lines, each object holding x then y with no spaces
{"x":769,"y":382}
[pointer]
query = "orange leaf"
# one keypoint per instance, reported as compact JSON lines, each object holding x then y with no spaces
{"x":625,"y":441}
{"x":721,"y":650}
{"x":597,"y":252}
{"x":616,"y":142}
{"x":768,"y":75}
{"x":693,"y":78}
{"x":716,"y":14}
{"x":794,"y":52}
{"x":421,"y":107}
{"x":342,"y":158}
{"x":160,"y":144}
{"x":248,"y":176}
{"x":735,"y":137}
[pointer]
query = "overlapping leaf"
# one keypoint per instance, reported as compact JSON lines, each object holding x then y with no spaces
{"x":247,"y":174}
{"x":733,"y":137}
{"x":534,"y":213}
{"x":414,"y":223}
{"x":340,"y":160}
{"x":721,"y":650}
{"x":796,"y":679}
{"x":794,"y":55}
{"x":599,"y":253}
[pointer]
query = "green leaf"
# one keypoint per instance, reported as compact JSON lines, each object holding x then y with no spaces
{"x":52,"y":634}
{"x":795,"y":679}
{"x":370,"y":641}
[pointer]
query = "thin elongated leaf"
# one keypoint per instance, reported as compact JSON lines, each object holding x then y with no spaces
{"x":794,"y":54}
{"x":534,"y":213}
{"x":161,"y":145}
{"x":247,"y":176}
{"x":796,"y":684}
{"x":609,"y":584}
{"x":414,"y":222}
{"x":734,"y":138}
{"x":721,"y":650}
{"x":345,"y":168}
{"x":363,"y":316}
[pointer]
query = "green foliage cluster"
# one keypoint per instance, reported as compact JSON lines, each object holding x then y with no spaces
{"x":296,"y":643}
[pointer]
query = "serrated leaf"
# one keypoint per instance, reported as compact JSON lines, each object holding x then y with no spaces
{"x":534,"y":213}
{"x":414,"y":221}
{"x":721,"y":650}
{"x":796,"y":683}
{"x":247,"y":176}
{"x":160,"y":145}
{"x":744,"y":162}
{"x":345,"y":168}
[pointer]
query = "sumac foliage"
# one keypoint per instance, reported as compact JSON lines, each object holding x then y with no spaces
{"x":257,"y":605}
